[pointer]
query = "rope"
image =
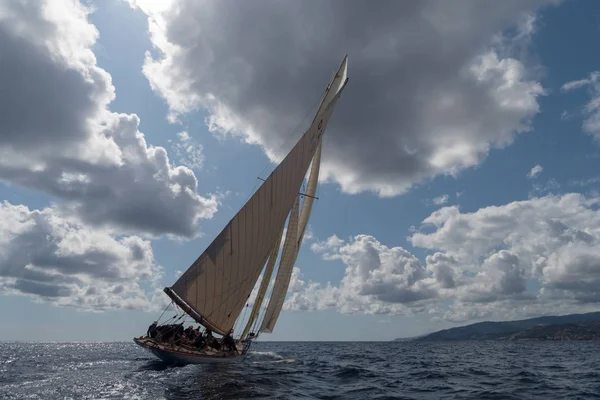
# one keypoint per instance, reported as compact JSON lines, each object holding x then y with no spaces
{"x":164,"y":311}
{"x":263,"y":310}
{"x":278,"y":153}
{"x":239,"y":321}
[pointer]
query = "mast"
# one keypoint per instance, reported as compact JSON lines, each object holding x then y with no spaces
{"x":215,"y":288}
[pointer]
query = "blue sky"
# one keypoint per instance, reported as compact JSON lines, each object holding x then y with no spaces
{"x":390,"y":273}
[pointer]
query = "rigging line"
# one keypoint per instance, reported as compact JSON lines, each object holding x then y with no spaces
{"x":231,"y":289}
{"x":266,"y":300}
{"x":278,"y":153}
{"x":227,"y":299}
{"x":263,"y":273}
{"x":228,"y":291}
{"x":257,"y":319}
{"x":318,"y":187}
{"x":165,"y":310}
{"x":262,"y":311}
{"x":246,"y":310}
{"x":267,"y":297}
{"x":295,"y":130}
{"x":169,"y":320}
{"x":269,"y":292}
{"x":239,"y":320}
{"x":173,"y":326}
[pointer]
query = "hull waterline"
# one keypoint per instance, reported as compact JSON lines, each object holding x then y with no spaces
{"x":182,"y":356}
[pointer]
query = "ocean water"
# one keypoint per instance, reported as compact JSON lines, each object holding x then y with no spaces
{"x":394,"y":370}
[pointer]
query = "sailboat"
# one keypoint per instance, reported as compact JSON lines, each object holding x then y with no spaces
{"x":216,"y":288}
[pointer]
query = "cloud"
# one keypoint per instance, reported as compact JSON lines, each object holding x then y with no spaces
{"x":188,"y":151}
{"x":378,"y":280}
{"x":535,"y":171}
{"x":496,"y":250}
{"x":440,"y":200}
{"x":591,"y":123}
{"x":575,"y":84}
{"x":56,"y":258}
{"x":524,"y":258}
{"x":551,"y":186}
{"x":329,"y":248}
{"x":586,"y":182}
{"x":433,"y":86}
{"x":58,"y":136}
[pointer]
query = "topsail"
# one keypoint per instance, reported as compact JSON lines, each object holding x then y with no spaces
{"x":216,"y":287}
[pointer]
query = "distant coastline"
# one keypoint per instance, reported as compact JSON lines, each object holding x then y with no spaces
{"x":549,"y":328}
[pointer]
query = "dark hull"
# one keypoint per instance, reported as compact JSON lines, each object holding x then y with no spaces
{"x":181,"y":356}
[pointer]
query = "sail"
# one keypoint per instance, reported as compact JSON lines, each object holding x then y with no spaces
{"x":288,"y":257}
{"x":311,"y":191}
{"x":263,"y":286}
{"x":284,"y":274}
{"x":215,"y":288}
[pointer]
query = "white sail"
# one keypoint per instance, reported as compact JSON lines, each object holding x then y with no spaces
{"x":286,"y":267}
{"x":311,"y":191}
{"x":217,"y":285}
{"x":262,"y":291}
{"x":288,"y":257}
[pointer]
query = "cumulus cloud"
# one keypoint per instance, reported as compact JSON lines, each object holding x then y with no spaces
{"x":378,"y":280}
{"x":535,"y":171}
{"x":329,"y":249}
{"x":433,"y":86}
{"x":548,"y":240}
{"x":524,"y":258}
{"x":591,"y":123}
{"x":54,"y":257}
{"x":59,"y":137}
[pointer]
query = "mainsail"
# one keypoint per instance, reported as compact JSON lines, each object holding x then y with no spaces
{"x":288,"y":260}
{"x":217,"y":285}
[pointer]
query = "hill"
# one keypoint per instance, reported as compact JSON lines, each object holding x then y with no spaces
{"x":521,"y":329}
{"x":577,"y":331}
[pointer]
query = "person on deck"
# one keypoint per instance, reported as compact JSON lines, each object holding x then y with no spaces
{"x":189,"y":334}
{"x":228,"y":342}
{"x":199,"y":342}
{"x":178,"y":334}
{"x":152,"y":330}
{"x":208,"y":338}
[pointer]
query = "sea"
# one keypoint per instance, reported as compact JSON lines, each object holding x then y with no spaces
{"x":307,"y":370}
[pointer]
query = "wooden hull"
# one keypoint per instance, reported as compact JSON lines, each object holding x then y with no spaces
{"x":181,"y":356}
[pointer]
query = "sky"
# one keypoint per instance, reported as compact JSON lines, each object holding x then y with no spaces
{"x":460,"y":177}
